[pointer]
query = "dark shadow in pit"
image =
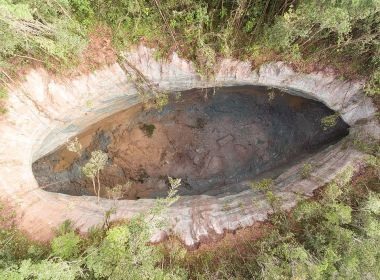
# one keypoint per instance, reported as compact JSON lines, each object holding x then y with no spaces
{"x":208,"y":137}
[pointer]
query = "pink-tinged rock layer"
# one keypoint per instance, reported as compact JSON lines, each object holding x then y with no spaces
{"x":44,"y":112}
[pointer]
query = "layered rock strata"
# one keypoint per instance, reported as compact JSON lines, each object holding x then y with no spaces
{"x":45,"y":111}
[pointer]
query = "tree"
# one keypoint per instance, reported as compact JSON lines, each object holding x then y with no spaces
{"x":93,"y":167}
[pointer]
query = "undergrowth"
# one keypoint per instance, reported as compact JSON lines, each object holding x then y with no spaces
{"x":332,"y":236}
{"x":107,"y":252}
{"x":342,"y":34}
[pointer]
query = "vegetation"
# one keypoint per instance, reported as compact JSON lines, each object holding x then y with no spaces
{"x":119,"y":252}
{"x":3,"y":96}
{"x":265,"y":186}
{"x":343,"y":33}
{"x":148,"y":129}
{"x":307,"y":168}
{"x":262,"y":185}
{"x":118,"y":191}
{"x":334,"y":236}
{"x":39,"y":30}
{"x":329,"y":121}
{"x":271,"y":96}
{"x":74,"y":146}
{"x":93,"y":167}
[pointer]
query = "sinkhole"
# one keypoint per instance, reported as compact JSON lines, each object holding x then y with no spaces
{"x":210,"y":138}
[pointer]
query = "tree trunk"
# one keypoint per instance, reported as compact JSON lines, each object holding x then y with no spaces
{"x":93,"y":184}
{"x":97,"y":176}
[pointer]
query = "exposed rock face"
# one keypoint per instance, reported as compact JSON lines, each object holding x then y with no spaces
{"x":45,"y":112}
{"x":207,"y":138}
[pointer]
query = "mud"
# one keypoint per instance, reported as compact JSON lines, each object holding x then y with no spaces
{"x":208,"y":137}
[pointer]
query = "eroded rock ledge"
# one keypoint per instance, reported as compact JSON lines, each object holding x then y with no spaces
{"x":44,"y":112}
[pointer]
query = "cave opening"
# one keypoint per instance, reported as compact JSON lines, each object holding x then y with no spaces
{"x":210,"y":138}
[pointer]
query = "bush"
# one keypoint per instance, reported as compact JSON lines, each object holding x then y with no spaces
{"x":307,"y":168}
{"x":334,"y":30}
{"x":34,"y":29}
{"x":119,"y":252}
{"x":329,"y":121}
{"x":373,"y":85}
{"x":83,"y":11}
{"x":263,"y":185}
{"x":148,"y":129}
{"x":336,"y":236}
{"x":44,"y":270}
{"x":66,"y":246}
{"x":333,"y":237}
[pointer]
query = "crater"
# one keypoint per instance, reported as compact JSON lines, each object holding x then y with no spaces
{"x":210,"y":138}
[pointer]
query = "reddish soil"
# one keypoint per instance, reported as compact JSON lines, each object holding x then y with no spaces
{"x":98,"y":53}
{"x":209,"y":143}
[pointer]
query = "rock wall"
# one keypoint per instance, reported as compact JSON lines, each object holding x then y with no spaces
{"x":45,"y":111}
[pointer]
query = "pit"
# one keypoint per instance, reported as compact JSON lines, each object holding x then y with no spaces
{"x":211,"y":138}
{"x":218,"y":141}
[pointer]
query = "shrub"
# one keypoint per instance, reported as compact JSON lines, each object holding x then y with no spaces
{"x":66,"y":227}
{"x":336,"y":30}
{"x":44,"y":270}
{"x":262,"y":185}
{"x":124,"y":253}
{"x":119,"y":252}
{"x":306,"y":170}
{"x":336,"y":236}
{"x":329,"y":121}
{"x":372,"y":87}
{"x":161,"y":100}
{"x":83,"y":11}
{"x":39,"y":29}
{"x":74,"y":146}
{"x":148,"y":129}
{"x":66,"y":246}
{"x":3,"y":96}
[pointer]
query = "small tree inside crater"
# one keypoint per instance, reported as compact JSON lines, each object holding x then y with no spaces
{"x":74,"y":146}
{"x":92,"y":169}
{"x":329,"y":121}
